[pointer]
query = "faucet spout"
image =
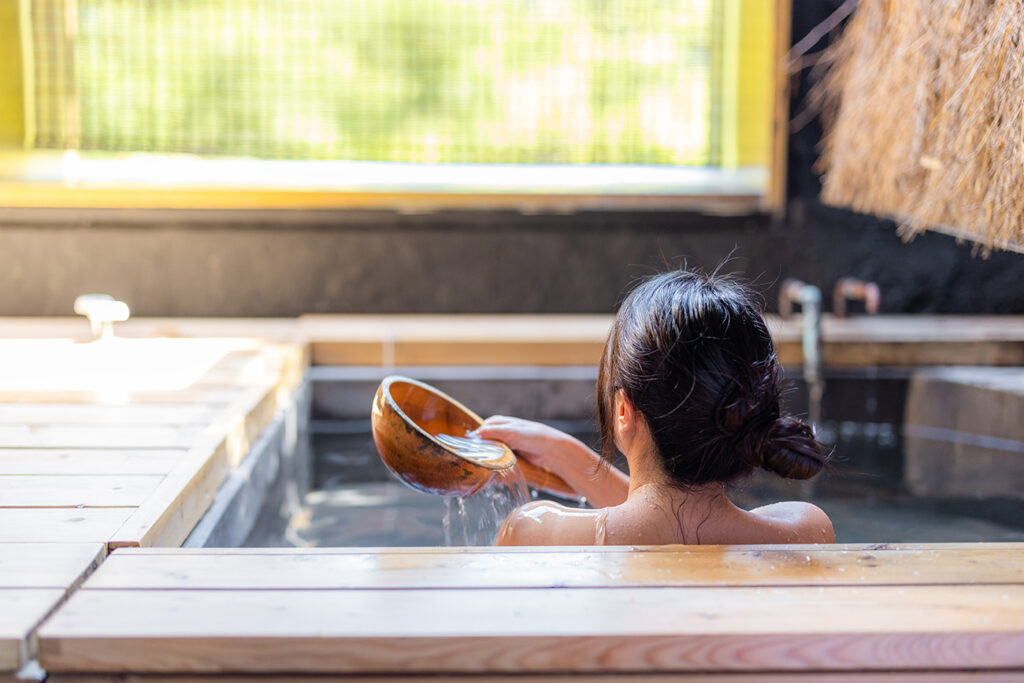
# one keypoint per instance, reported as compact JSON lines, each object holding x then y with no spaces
{"x":849,"y":288}
{"x":809,"y":298}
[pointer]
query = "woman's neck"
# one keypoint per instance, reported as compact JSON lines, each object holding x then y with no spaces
{"x":646,"y":472}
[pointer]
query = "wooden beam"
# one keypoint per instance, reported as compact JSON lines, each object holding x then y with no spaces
{"x":12,"y":85}
{"x":776,"y":196}
{"x":86,"y":461}
{"x":570,"y":677}
{"x":76,"y":491}
{"x":731,"y":629}
{"x":576,"y":568}
{"x":47,"y":565}
{"x":60,"y":525}
{"x":23,"y":609}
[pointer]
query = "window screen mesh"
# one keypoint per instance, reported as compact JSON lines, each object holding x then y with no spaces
{"x":472,"y":81}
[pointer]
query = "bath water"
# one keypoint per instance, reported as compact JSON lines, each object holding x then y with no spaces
{"x":475,"y":519}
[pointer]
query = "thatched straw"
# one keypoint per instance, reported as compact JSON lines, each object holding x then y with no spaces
{"x":924,"y":114}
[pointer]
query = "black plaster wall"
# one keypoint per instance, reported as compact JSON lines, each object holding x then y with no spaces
{"x":178,"y":264}
{"x":226,"y":264}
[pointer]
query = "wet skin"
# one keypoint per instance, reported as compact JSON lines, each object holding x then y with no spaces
{"x":642,"y":509}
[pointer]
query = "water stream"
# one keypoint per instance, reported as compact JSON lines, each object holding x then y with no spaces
{"x":475,"y":519}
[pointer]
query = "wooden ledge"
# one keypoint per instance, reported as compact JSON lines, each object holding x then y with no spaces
{"x":415,"y":340}
{"x":34,"y":578}
{"x":638,"y":610}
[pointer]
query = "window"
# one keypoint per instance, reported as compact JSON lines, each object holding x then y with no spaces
{"x":599,"y":98}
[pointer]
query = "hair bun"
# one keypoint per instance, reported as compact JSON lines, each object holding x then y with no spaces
{"x":791,"y":451}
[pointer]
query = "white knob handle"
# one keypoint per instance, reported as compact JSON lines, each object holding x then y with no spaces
{"x":103,"y":311}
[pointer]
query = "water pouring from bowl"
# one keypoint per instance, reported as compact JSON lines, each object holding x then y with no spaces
{"x":426,"y":439}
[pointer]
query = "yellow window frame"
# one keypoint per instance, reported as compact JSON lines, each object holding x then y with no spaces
{"x":754,"y":101}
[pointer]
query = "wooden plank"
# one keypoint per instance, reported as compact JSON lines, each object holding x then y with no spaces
{"x":23,"y":609}
{"x":575,"y":550}
{"x":963,"y":435}
{"x":299,"y":570}
{"x":47,"y":565}
{"x":548,"y":340}
{"x":701,"y":677}
{"x":174,"y":508}
{"x":179,"y":501}
{"x":221,"y":395}
{"x":112,"y":367}
{"x":579,"y":629}
{"x":471,"y":352}
{"x":775,"y":197}
{"x":60,"y":525}
{"x":906,"y":329}
{"x":55,"y":490}
{"x":458,"y":352}
{"x":455,"y":339}
{"x":176,"y":415}
{"x":98,"y":436}
{"x":87,"y":461}
{"x":75,"y":327}
{"x":861,"y":354}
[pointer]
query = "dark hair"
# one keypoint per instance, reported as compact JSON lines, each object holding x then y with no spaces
{"x":693,"y":355}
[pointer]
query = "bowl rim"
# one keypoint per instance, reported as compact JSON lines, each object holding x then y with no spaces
{"x":508,"y":461}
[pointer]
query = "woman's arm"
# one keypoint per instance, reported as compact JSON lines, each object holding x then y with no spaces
{"x":566,"y":456}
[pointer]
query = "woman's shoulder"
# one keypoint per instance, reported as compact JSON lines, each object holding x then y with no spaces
{"x":543,"y":522}
{"x":796,"y":522}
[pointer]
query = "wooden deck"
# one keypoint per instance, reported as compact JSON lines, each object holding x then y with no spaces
{"x":111,"y":445}
{"x":766,"y":610}
{"x":124,"y":451}
{"x":34,"y":578}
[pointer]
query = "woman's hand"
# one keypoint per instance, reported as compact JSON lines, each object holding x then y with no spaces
{"x":538,"y":443}
{"x":566,"y":456}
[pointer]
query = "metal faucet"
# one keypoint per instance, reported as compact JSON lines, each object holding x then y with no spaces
{"x":809,"y":298}
{"x":849,"y":288}
{"x":103,"y":311}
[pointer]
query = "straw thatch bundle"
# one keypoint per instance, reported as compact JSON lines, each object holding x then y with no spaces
{"x":924,"y":114}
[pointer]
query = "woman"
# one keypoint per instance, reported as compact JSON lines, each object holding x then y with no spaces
{"x":688,"y":390}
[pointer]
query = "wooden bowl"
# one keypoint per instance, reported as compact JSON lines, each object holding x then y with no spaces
{"x":407,"y":418}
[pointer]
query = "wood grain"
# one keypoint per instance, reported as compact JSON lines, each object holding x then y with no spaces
{"x":179,"y":501}
{"x":443,"y":568}
{"x":171,"y":414}
{"x":47,"y":565}
{"x":23,"y":609}
{"x":204,"y":395}
{"x":58,"y":490}
{"x":1008,"y":547}
{"x":579,"y":629}
{"x":95,"y":436}
{"x":961,"y":676}
{"x":85,"y":461}
{"x":60,"y":525}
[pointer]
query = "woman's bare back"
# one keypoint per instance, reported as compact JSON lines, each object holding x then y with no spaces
{"x":656,"y":515}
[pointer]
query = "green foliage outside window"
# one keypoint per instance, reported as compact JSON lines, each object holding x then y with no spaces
{"x":470,"y":81}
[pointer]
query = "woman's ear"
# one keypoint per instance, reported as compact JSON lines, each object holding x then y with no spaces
{"x":624,"y":419}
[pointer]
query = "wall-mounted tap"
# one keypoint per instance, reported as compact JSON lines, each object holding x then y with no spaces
{"x":849,"y":288}
{"x":809,"y":297}
{"x":103,"y":311}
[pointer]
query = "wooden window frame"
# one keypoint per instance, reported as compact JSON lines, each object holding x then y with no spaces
{"x":15,"y":135}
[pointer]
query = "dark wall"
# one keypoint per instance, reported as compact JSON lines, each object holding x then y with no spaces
{"x":181,"y":264}
{"x":227,"y":264}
